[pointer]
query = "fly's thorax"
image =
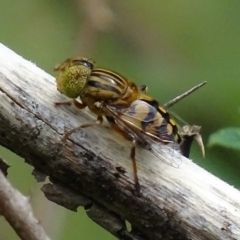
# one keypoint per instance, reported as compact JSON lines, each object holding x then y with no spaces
{"x":132,"y":93}
{"x":110,"y":86}
{"x":92,"y":104}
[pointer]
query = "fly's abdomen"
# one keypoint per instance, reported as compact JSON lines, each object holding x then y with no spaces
{"x":150,"y":120}
{"x":172,"y":126}
{"x":170,"y":123}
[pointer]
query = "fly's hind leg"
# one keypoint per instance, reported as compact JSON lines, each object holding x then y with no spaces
{"x":132,"y":155}
{"x":118,"y":129}
{"x":67,"y":134}
{"x":129,"y":134}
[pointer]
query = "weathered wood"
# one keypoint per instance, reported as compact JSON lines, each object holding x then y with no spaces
{"x":175,"y":203}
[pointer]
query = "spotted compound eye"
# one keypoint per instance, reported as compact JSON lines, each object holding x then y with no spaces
{"x":71,"y":81}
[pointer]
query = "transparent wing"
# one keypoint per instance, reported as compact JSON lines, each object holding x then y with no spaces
{"x":132,"y":120}
{"x":169,"y":153}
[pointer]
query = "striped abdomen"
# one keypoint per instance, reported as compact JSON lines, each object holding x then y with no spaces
{"x":143,"y":116}
{"x":164,"y":114}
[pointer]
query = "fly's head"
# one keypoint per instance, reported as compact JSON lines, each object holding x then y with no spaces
{"x":73,"y":75}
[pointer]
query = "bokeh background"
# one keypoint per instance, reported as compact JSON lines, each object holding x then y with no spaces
{"x":168,"y":45}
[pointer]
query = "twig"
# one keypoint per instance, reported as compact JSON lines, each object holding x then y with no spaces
{"x":183,"y":95}
{"x":17,"y":211}
{"x":175,"y":203}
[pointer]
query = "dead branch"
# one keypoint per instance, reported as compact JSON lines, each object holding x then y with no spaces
{"x":184,"y":203}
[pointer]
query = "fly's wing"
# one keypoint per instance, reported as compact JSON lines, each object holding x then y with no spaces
{"x":156,"y":130}
{"x":178,"y":118}
{"x":149,"y":129}
{"x":170,"y":153}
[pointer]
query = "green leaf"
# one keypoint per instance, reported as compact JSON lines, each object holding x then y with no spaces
{"x":227,"y":137}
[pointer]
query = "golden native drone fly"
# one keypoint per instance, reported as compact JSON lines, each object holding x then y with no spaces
{"x":128,"y":108}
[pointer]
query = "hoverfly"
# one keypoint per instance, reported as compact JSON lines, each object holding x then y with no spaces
{"x":107,"y":93}
{"x":79,"y":77}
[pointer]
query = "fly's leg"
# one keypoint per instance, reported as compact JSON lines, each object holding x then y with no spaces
{"x":132,"y":155}
{"x":69,"y":103}
{"x":80,"y":106}
{"x":67,"y":134}
{"x":116,"y":128}
{"x":128,"y":136}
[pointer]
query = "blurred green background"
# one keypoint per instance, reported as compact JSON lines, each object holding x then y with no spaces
{"x":168,"y":45}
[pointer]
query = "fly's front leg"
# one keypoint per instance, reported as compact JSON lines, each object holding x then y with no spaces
{"x":69,"y":103}
{"x":67,"y":134}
